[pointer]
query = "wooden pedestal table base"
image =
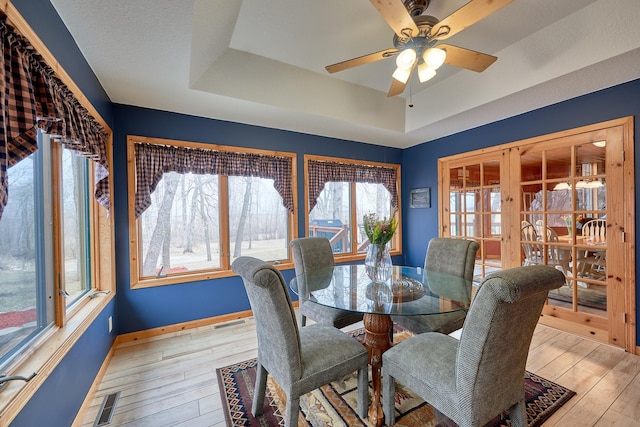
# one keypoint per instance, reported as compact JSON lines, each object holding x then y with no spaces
{"x":376,"y":339}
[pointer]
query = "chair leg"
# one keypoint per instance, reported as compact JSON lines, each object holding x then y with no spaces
{"x":293,"y":409}
{"x":389,"y":399}
{"x":363,"y":392}
{"x":259,"y":391}
{"x":303,"y":321}
{"x":518,"y":415}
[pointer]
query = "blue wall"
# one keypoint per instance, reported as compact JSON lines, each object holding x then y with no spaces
{"x":148,"y":308}
{"x":420,"y":163}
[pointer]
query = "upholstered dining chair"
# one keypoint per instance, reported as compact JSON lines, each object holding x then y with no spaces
{"x":474,"y":379}
{"x":311,"y":253}
{"x":455,"y":257}
{"x":299,"y":360}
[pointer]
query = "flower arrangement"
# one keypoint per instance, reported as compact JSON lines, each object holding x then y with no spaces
{"x":568,"y":220}
{"x":380,"y":231}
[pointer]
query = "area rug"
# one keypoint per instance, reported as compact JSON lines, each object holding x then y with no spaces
{"x":334,"y":404}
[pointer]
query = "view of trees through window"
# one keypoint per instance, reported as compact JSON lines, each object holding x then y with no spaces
{"x":18,"y":262}
{"x":27,"y":267}
{"x":75,"y":215}
{"x":332,"y":216}
{"x":181,"y":230}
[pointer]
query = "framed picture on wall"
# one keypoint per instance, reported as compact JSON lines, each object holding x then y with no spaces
{"x":420,"y":198}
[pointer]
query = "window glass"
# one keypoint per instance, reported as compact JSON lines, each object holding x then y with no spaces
{"x":257,"y":219}
{"x":339,"y":212}
{"x":75,"y":215}
{"x":180,"y":230}
{"x":26,"y":303}
{"x":331,"y":217}
{"x":371,"y":198}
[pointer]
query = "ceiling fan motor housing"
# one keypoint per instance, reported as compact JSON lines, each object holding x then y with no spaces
{"x":416,"y":7}
{"x":420,"y":41}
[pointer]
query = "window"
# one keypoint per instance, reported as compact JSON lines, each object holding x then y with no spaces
{"x":341,"y":192}
{"x":210,"y":205}
{"x":74,"y":208}
{"x":28,"y":266}
{"x":49,"y":223}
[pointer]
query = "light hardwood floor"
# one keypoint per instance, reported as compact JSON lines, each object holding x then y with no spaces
{"x":170,"y":380}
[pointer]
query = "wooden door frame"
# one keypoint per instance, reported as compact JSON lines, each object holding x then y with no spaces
{"x":625,"y":318}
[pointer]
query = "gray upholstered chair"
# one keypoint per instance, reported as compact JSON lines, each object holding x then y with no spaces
{"x":474,"y":379}
{"x":300,"y":360}
{"x":311,"y":253}
{"x":455,"y":257}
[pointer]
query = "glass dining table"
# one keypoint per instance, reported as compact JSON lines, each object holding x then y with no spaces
{"x":410,"y":291}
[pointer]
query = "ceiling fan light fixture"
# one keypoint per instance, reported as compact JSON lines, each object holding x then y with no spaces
{"x":406,"y":58}
{"x":425,"y":72}
{"x":434,"y":57}
{"x":401,"y":74}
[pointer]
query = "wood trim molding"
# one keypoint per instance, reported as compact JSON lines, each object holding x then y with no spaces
{"x":177,"y":327}
{"x":148,"y":333}
{"x":92,"y":391}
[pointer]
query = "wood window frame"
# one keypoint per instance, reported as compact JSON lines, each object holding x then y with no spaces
{"x":137,"y":281}
{"x":354,"y":255}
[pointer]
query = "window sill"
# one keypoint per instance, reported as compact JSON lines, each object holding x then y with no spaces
{"x":47,"y":353}
{"x":194,"y":277}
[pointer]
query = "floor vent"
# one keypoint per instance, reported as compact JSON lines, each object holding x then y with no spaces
{"x":106,"y":410}
{"x":224,"y":325}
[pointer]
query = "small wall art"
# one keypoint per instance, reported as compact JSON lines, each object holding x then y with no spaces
{"x":420,"y":198}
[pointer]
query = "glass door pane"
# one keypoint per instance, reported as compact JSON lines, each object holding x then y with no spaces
{"x":475,"y":210}
{"x":569,"y":193}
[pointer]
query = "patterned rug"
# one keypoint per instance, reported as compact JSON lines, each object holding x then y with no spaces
{"x":334,"y":404}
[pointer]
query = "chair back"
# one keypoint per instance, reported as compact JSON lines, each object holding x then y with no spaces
{"x":596,"y":228}
{"x":496,"y":336}
{"x":313,"y":256}
{"x":279,"y":348}
{"x":311,"y":253}
{"x":455,"y":257}
{"x":531,"y":246}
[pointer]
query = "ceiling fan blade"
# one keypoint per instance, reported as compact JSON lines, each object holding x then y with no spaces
{"x":361,"y":60}
{"x":466,"y":58}
{"x":466,"y":16}
{"x":397,"y":16}
{"x":397,"y":87}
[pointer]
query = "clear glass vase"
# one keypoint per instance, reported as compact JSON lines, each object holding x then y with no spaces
{"x":378,"y":263}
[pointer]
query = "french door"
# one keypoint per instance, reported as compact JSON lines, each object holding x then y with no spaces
{"x":564,"y":200}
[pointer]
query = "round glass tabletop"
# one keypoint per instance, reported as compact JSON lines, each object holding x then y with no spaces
{"x":410,"y":290}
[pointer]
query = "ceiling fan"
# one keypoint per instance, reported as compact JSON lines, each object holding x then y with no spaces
{"x":417,"y":37}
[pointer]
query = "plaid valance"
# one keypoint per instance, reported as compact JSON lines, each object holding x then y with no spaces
{"x":31,"y":97}
{"x":320,"y":172}
{"x":153,"y":160}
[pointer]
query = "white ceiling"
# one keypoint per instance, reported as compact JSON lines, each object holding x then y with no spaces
{"x":262,"y":62}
